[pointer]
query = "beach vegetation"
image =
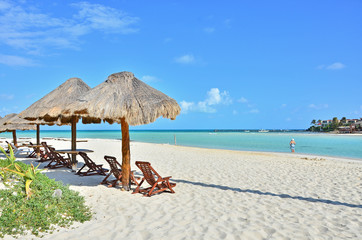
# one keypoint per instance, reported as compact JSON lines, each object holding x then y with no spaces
{"x":28,"y":174}
{"x":335,"y":124}
{"x":44,"y":210}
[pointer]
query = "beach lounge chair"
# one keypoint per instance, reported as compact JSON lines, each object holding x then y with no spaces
{"x":9,"y":145}
{"x":58,"y":161}
{"x":47,"y":154}
{"x":33,"y":154}
{"x":93,"y":168}
{"x":156,"y":185}
{"x":117,"y":172}
{"x":16,"y":150}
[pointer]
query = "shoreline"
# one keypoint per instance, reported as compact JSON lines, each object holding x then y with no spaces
{"x":337,"y":158}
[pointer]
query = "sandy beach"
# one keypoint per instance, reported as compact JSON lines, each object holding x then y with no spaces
{"x":220,"y":194}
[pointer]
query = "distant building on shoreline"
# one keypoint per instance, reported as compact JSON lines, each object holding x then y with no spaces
{"x":342,"y":126}
{"x":326,"y":123}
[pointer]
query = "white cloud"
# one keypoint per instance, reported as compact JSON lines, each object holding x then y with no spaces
{"x":204,"y":107}
{"x":16,"y":61}
{"x":336,"y":66}
{"x":333,"y":66}
{"x":249,"y":104}
{"x":288,"y":119}
{"x":167,"y":40}
{"x":214,"y":97}
{"x":235,"y":112}
{"x":209,"y":29}
{"x":148,"y":78}
{"x":4,"y":5}
{"x":243,"y":100}
{"x":321,"y":66}
{"x":31,"y":30}
{"x":185,"y":59}
{"x":4,"y":111}
{"x":186,"y":106}
{"x":105,"y":18}
{"x":7,"y":96}
{"x":227,"y":23}
{"x":318,"y":106}
{"x":283,"y":105}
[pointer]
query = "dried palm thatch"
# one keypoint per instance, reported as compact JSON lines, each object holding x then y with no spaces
{"x":122,"y":95}
{"x":124,"y":99}
{"x":49,"y":107}
{"x":12,"y":127}
{"x":6,"y":124}
{"x":18,"y":120}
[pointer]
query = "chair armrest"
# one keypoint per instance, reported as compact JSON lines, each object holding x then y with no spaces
{"x":166,"y":178}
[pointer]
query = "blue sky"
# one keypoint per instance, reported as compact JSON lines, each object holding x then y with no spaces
{"x":229,"y":64}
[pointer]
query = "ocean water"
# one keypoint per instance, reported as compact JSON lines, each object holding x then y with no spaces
{"x":349,"y":146}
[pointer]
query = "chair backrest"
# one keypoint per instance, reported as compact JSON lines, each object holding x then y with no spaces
{"x":148,"y":172}
{"x":89,"y":162}
{"x":59,"y":158}
{"x":31,"y":145}
{"x":15,"y":149}
{"x":114,"y":165}
{"x":46,"y":147}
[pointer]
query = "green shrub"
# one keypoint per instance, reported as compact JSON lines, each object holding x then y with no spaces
{"x":42,"y":212}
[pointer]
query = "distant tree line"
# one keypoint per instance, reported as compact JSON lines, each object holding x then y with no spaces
{"x":332,"y":126}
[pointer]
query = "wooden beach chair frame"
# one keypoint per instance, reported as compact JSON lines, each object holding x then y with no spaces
{"x":160,"y":185}
{"x":16,"y":149}
{"x":93,"y":168}
{"x":47,"y":154}
{"x":116,"y":170}
{"x":33,"y":154}
{"x":58,"y":161}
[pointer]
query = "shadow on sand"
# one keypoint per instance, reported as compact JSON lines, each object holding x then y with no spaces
{"x":76,"y":180}
{"x":308,"y":199}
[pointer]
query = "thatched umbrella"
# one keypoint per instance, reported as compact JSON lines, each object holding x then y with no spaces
{"x":124,"y":99}
{"x":12,"y":127}
{"x":16,"y":120}
{"x":49,"y":107}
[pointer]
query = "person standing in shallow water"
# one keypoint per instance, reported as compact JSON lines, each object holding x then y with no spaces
{"x":292,"y":145}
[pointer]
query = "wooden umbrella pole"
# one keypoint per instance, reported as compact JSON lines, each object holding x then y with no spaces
{"x":74,"y":141}
{"x":38,"y":140}
{"x":126,"y":158}
{"x":14,"y":138}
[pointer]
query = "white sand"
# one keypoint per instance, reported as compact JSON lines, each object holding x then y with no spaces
{"x":220,"y":194}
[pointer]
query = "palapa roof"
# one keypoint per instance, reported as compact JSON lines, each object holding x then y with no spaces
{"x":13,"y":126}
{"x":18,"y":120}
{"x":49,"y":107}
{"x":122,"y":95}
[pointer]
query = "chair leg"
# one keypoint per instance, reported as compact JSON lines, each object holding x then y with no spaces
{"x":104,"y":181}
{"x":79,"y":171}
{"x":137,"y":190}
{"x":169,"y":186}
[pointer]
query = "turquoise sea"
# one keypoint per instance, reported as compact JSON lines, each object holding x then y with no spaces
{"x":349,"y":146}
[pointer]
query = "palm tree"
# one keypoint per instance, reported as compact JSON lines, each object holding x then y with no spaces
{"x":335,"y":123}
{"x":343,"y":121}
